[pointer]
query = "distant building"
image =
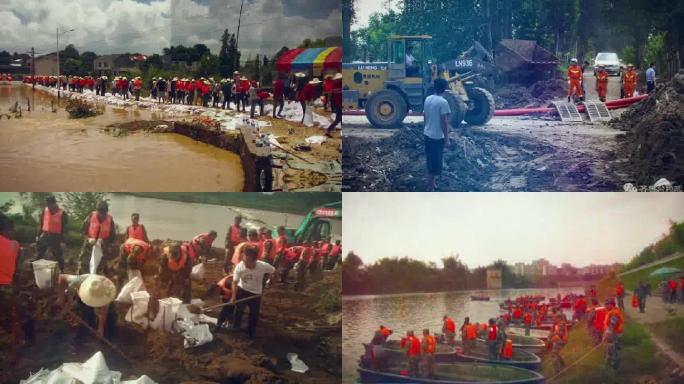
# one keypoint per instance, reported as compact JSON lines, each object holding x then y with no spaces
{"x":594,"y":269}
{"x":168,"y":61}
{"x":47,"y":64}
{"x":114,"y":64}
{"x":494,"y":278}
{"x":519,"y":269}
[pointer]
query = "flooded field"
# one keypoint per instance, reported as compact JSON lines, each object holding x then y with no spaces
{"x":45,"y":150}
{"x":403,"y":312}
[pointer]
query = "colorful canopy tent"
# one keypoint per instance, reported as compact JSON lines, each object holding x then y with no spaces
{"x":315,"y":60}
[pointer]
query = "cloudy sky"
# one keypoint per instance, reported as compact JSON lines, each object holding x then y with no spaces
{"x":580,"y":228}
{"x":147,"y":26}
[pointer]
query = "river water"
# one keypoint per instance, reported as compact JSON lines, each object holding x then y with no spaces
{"x":45,"y":150}
{"x":165,"y":219}
{"x":362,"y":315}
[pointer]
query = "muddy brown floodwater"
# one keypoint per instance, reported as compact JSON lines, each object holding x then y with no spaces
{"x":46,"y":150}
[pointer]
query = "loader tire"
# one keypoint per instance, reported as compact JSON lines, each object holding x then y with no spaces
{"x":457,"y":107}
{"x":386,"y":109}
{"x":483,"y":106}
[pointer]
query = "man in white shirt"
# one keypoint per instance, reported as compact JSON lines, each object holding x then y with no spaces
{"x":411,"y":70}
{"x":248,"y":280}
{"x":436,"y":112}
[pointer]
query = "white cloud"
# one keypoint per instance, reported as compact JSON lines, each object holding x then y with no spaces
{"x":131,"y":26}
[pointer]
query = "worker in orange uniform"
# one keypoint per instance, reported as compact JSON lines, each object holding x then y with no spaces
{"x":327,"y":91}
{"x":517,"y":315}
{"x":429,"y":346}
{"x":449,"y":329}
{"x":412,"y":346}
{"x":100,"y":231}
{"x":305,"y":260}
{"x":239,"y":252}
{"x":574,"y":80}
{"x":602,"y":83}
{"x":225,"y":286}
{"x":281,"y":246}
{"x":200,"y":245}
{"x":137,"y":86}
{"x":620,"y":295}
{"x":381,"y":335}
{"x":527,"y":320}
{"x":132,"y":255}
{"x":21,"y":323}
{"x":52,"y":222}
{"x":468,"y":335}
{"x":613,"y":326}
{"x":599,"y":324}
{"x":334,"y":255}
{"x":629,"y":81}
{"x":557,"y":340}
{"x":267,"y":248}
{"x":336,"y":104}
{"x":136,"y":230}
{"x":492,"y":340}
{"x":175,"y":265}
{"x":233,"y":236}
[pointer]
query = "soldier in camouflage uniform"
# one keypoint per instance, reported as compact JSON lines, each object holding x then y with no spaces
{"x":613,"y":333}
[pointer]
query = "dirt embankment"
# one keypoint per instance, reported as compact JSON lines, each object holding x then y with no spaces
{"x":654,"y":142}
{"x":299,"y":322}
{"x":539,"y":94}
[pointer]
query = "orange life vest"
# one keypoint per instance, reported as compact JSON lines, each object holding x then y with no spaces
{"x":307,"y":253}
{"x":635,"y":301}
{"x":470,"y":332}
{"x":336,"y":250}
{"x":97,"y":230}
{"x":508,"y":350}
{"x":203,"y":237}
{"x":174,"y":265}
{"x":492,"y":332}
{"x":431,"y":346}
{"x":136,"y":232}
{"x":414,"y":348}
{"x":630,"y":78}
{"x":262,"y":249}
{"x":517,"y":313}
{"x":574,"y":72}
{"x":132,"y":243}
{"x":528,"y":318}
{"x":450,"y":325}
{"x":235,"y":234}
{"x":385,"y":332}
{"x":602,"y":77}
{"x":620,"y":320}
{"x":600,"y":318}
{"x":9,"y":250}
{"x":52,"y":222}
{"x":281,"y":243}
{"x":225,"y":285}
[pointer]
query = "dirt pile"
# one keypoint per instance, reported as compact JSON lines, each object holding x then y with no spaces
{"x":538,"y":94}
{"x":291,"y":322}
{"x":654,"y":142}
{"x":398,"y":163}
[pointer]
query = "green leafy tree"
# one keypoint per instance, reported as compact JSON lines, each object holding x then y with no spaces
{"x":81,"y":204}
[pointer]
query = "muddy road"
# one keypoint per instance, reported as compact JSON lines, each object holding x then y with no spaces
{"x":507,"y":154}
{"x":290,"y":322}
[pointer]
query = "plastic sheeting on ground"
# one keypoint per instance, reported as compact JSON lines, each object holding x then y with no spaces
{"x":297,"y":364}
{"x":92,"y":371}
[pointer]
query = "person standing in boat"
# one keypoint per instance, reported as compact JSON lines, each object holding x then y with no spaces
{"x":449,"y":330}
{"x":429,"y":346}
{"x":492,"y":340}
{"x":412,"y":346}
{"x":527,"y":319}
{"x":468,"y":335}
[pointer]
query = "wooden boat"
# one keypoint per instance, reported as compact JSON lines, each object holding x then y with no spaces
{"x":527,"y":343}
{"x":444,"y":353}
{"x":541,"y":334}
{"x":451,"y":373}
{"x":479,"y":298}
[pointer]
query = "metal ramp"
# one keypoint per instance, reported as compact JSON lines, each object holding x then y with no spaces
{"x":567,"y":111}
{"x":597,"y":111}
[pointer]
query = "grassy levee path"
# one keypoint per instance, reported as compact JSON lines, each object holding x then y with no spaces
{"x":646,"y":358}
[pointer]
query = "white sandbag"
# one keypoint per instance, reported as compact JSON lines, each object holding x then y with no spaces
{"x":134,"y":285}
{"x":94,"y":370}
{"x":316,"y":139}
{"x":168,"y":308}
{"x":144,"y":379}
{"x":308,"y":116}
{"x":297,"y":364}
{"x":137,"y":313}
{"x":95,"y":257}
{"x":197,"y":335}
{"x":197,"y":272}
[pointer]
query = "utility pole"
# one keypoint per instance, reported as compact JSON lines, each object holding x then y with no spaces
{"x":59,"y":79}
{"x":33,"y":68}
{"x":237,"y":39}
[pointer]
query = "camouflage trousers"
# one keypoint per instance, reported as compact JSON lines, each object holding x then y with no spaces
{"x":301,"y":268}
{"x":558,"y":362}
{"x":614,"y":351}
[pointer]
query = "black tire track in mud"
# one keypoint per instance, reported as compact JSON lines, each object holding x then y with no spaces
{"x":477,"y":161}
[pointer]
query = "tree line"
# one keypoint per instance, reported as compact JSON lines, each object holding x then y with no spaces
{"x":640,"y":31}
{"x":670,"y":243}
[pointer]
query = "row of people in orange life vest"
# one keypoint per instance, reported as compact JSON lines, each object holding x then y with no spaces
{"x":575,"y":80}
{"x":137,"y":246}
